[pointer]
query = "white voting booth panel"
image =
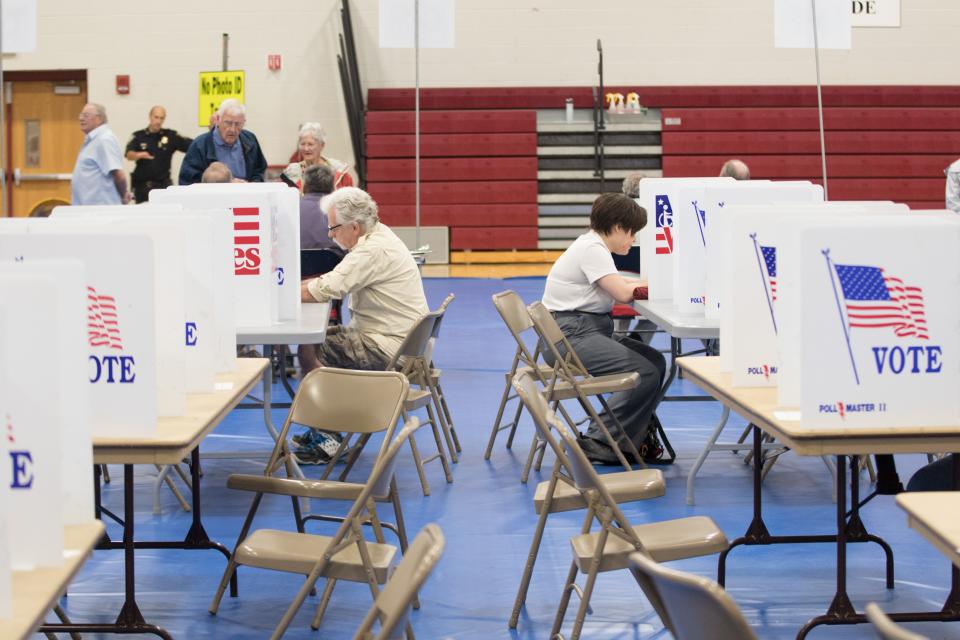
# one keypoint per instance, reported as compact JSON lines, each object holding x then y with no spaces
{"x":121,"y":364}
{"x":194,"y":333}
{"x":266,"y":245}
{"x":701,"y":271}
{"x":167,"y":273}
{"x":31,"y":444}
{"x":721,"y":258}
{"x":70,"y":376}
{"x":6,"y":578}
{"x":659,"y":197}
{"x":880,"y":324}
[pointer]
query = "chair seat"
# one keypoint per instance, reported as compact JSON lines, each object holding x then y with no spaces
{"x":624,"y":486}
{"x":664,"y":541}
{"x":298,"y":553}
{"x":595,"y":385}
{"x":417,"y":399}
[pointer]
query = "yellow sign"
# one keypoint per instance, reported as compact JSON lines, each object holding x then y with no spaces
{"x":215,"y":87}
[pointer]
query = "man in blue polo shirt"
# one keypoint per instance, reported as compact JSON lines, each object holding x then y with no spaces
{"x":228,"y":143}
{"x":98,"y":176}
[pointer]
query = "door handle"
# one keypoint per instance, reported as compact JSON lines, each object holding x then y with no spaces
{"x":19,"y":176}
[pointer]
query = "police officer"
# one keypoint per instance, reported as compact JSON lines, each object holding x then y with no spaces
{"x":152,"y":149}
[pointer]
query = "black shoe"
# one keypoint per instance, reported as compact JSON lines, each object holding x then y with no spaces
{"x":652,"y":450}
{"x":597,"y":452}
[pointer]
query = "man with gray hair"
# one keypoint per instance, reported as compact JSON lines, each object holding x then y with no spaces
{"x":98,"y":176}
{"x":386,"y":296}
{"x":631,"y":184}
{"x":228,"y":143}
{"x":736,"y":169}
{"x":217,"y":172}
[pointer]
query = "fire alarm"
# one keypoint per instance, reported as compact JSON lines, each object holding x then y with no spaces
{"x":273,"y":62}
{"x":123,"y":85}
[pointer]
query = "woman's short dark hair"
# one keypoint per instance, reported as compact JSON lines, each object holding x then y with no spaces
{"x":616,"y":210}
{"x":318,"y":178}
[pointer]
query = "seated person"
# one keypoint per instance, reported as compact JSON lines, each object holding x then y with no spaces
{"x":581,"y":289}
{"x":386,"y":299}
{"x":317,"y":183}
{"x":936,"y":476}
{"x":216,"y":172}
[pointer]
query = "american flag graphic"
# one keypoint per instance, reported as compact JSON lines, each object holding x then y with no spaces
{"x":103,"y":329}
{"x":663,"y":240}
{"x":875,"y":300}
{"x":246,"y":233}
{"x":770,"y":261}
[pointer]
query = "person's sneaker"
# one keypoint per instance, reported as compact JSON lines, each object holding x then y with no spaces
{"x":320,"y":450}
{"x":597,"y":452}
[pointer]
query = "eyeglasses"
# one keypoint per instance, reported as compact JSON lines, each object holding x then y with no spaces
{"x":334,"y":228}
{"x":229,"y":124}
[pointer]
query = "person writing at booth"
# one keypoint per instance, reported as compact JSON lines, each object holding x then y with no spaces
{"x":581,"y":288}
{"x":386,"y":299}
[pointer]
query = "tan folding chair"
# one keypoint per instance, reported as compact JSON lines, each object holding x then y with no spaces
{"x":887,"y":629}
{"x":346,"y":555}
{"x":696,"y":608}
{"x":411,"y":361}
{"x":514,"y":313}
{"x":608,"y":548}
{"x":392,"y":605}
{"x":571,"y":376}
{"x":440,"y":401}
{"x":560,"y":492}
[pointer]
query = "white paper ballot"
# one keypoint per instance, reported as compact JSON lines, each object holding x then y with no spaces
{"x":793,"y":24}
{"x":881,"y":324}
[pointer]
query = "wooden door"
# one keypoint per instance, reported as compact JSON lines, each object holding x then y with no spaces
{"x":45,"y":138}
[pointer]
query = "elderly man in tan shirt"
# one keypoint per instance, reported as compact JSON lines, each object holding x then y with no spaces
{"x":386,"y":295}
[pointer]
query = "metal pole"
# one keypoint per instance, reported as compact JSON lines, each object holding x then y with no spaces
{"x":816,"y":54}
{"x":226,"y":47}
{"x":416,"y":117}
{"x":3,"y":130}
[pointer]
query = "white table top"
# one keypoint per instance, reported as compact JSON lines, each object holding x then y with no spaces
{"x":310,"y":329}
{"x":666,"y":316}
{"x":936,"y":516}
{"x":760,"y":406}
{"x":35,"y":592}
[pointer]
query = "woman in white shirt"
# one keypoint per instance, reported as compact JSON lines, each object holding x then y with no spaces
{"x":581,"y":289}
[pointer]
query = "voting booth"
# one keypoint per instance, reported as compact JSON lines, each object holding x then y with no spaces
{"x":880,"y":325}
{"x":265,"y":236}
{"x":661,"y":197}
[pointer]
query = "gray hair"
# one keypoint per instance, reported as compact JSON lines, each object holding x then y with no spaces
{"x":313,"y":129}
{"x":318,"y":178}
{"x":99,"y":110}
{"x":352,"y":205}
{"x":736,"y":169}
{"x":234,"y":105}
{"x":217,"y":172}
{"x":631,"y":184}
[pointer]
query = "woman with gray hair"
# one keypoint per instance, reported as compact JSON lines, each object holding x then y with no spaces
{"x":311,"y":140}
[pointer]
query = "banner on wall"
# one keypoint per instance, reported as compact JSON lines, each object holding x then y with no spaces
{"x":215,"y":87}
{"x":793,"y":24}
{"x":436,"y":24}
{"x":875,"y":13}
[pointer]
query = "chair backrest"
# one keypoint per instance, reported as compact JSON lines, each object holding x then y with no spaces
{"x":511,"y":308}
{"x":435,"y":333}
{"x":417,"y":340}
{"x":392,"y":605}
{"x":584,"y":476}
{"x":886,"y":628}
{"x":347,"y":400}
{"x":568,"y":364}
{"x":698,"y":608}
{"x":314,"y":262}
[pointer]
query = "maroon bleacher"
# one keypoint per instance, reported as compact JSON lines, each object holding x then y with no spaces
{"x":479,"y":145}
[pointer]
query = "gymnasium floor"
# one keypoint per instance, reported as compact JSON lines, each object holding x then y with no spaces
{"x":487,"y":517}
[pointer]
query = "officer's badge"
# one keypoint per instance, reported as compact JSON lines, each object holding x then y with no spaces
{"x":163,"y":141}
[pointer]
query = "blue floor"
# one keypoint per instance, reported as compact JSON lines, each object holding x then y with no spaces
{"x":487,"y":517}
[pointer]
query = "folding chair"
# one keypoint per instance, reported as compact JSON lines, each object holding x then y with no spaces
{"x":570,"y":374}
{"x":560,"y":492}
{"x":886,"y":628}
{"x":608,"y":548}
{"x":514,"y":313}
{"x":410,"y":360}
{"x":346,"y":555}
{"x":691,"y":607}
{"x":392,"y":605}
{"x":440,"y":400}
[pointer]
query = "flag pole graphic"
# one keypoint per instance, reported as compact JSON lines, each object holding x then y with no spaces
{"x":843,"y":324}
{"x":700,"y":221}
{"x":763,"y":280}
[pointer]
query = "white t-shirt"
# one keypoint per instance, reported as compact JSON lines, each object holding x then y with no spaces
{"x":572,"y":282}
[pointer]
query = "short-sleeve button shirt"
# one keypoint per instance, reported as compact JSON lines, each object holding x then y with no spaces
{"x":98,"y":157}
